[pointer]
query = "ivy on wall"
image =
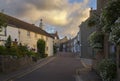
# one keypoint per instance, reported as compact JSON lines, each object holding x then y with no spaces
{"x":41,"y":48}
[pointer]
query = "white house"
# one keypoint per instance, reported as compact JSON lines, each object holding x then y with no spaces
{"x":25,"y":33}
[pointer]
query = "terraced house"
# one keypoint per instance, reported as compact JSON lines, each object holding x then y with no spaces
{"x":26,"y":34}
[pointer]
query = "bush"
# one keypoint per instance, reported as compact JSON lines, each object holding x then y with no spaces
{"x":115,"y":33}
{"x":107,"y":70}
{"x":19,"y":51}
{"x":54,"y":49}
{"x":2,"y":50}
{"x":8,"y":42}
{"x":96,"y":40}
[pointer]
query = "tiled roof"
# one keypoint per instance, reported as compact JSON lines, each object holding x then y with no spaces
{"x":24,"y":25}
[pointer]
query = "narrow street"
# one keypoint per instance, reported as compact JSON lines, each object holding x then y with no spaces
{"x":62,"y":68}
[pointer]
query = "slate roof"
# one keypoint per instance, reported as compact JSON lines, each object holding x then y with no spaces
{"x":24,"y":25}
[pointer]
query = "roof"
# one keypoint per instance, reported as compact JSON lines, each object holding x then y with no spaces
{"x":24,"y":25}
{"x":55,"y":35}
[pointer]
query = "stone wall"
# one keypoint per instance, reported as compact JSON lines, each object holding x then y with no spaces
{"x":9,"y":63}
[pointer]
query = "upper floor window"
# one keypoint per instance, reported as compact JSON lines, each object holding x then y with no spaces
{"x":42,"y":37}
{"x":46,"y":38}
{"x":35,"y":35}
{"x":28,"y":33}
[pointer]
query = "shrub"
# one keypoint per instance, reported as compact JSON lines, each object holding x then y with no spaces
{"x":2,"y":50}
{"x":19,"y":51}
{"x":8,"y":42}
{"x":115,"y":33}
{"x":41,"y":47}
{"x":54,"y":49}
{"x":96,"y":40}
{"x":107,"y":70}
{"x":23,"y":50}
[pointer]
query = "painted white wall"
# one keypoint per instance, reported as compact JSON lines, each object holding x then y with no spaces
{"x":50,"y":46}
{"x":12,"y":31}
{"x":30,"y":41}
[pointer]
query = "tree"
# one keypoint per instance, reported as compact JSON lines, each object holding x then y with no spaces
{"x":41,"y":47}
{"x":3,"y":21}
{"x":94,"y":21}
{"x":110,"y":14}
{"x":96,"y":40}
{"x":8,"y":42}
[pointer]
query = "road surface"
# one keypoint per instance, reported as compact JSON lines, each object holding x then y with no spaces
{"x":62,"y":68}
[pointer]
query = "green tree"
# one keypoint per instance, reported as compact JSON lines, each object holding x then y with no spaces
{"x":8,"y":42}
{"x":96,"y":40}
{"x":94,"y":21}
{"x":110,"y":14}
{"x":3,"y":21}
{"x":54,"y":49}
{"x":41,"y":47}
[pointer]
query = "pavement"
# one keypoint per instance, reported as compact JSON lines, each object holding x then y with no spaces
{"x":87,"y":73}
{"x":63,"y":67}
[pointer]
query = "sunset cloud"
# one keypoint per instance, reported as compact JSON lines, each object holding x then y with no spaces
{"x":64,"y":16}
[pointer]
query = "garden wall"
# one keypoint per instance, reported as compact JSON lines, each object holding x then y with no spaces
{"x":9,"y":63}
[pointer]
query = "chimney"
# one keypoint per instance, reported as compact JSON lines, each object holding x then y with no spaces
{"x":41,"y":24}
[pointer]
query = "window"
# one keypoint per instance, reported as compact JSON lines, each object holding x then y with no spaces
{"x":28,"y":33}
{"x":35,"y":35}
{"x":42,"y":37}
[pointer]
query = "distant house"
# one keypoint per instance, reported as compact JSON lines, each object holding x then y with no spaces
{"x":56,"y":40}
{"x":26,"y":34}
{"x":72,"y":45}
{"x":61,"y":42}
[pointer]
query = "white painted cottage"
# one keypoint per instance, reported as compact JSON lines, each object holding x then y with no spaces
{"x":25,"y":33}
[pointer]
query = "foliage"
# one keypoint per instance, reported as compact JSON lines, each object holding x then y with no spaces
{"x":54,"y":49}
{"x":96,"y":40}
{"x":2,"y":50}
{"x":3,"y":21}
{"x":93,"y":20}
{"x":19,"y":51}
{"x":41,"y":47}
{"x":8,"y":42}
{"x":115,"y":33}
{"x":110,"y":14}
{"x":107,"y":69}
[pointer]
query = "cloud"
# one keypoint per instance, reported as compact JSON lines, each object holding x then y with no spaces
{"x":64,"y":16}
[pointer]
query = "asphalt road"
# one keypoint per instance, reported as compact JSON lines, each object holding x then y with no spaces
{"x":62,"y":68}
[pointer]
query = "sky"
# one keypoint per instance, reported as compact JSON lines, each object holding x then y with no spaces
{"x":63,"y":16}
